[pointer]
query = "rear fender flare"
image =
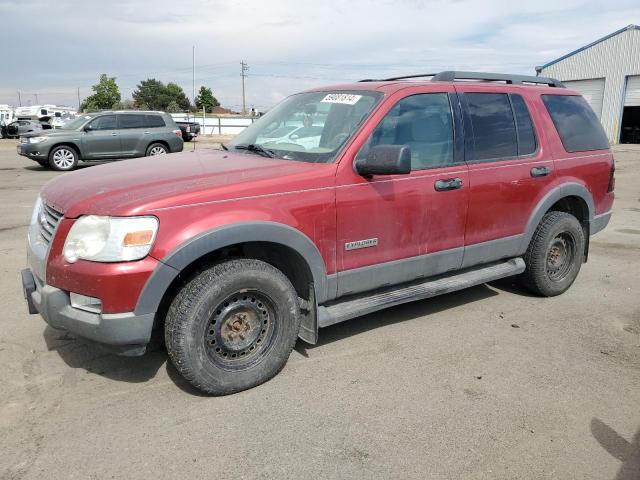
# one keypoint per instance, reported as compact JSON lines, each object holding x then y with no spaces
{"x":553,"y":196}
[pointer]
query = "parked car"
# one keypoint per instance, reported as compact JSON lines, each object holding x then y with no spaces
{"x":190,"y":130}
{"x":416,"y":188}
{"x":21,"y":127}
{"x":103,"y":136}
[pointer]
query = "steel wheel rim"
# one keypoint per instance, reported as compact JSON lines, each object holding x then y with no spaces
{"x":63,"y":158}
{"x":560,"y":256}
{"x":157,"y":150}
{"x":241,"y":330}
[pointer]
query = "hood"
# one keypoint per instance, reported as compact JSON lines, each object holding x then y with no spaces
{"x":140,"y":186}
{"x":53,"y":133}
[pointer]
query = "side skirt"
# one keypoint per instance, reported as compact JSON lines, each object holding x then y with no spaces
{"x":361,"y":304}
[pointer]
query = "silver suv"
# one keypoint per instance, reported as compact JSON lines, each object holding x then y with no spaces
{"x":103,"y":136}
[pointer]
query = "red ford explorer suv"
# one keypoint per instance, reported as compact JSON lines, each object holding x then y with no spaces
{"x":338,"y":202}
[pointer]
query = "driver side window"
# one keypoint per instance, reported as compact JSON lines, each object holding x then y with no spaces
{"x":422,"y":122}
{"x":106,"y":122}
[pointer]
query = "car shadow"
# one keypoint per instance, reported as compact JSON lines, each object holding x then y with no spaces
{"x":398,"y":314}
{"x":92,"y":358}
{"x":628,"y":452}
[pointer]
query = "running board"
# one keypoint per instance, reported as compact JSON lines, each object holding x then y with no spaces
{"x":361,"y":304}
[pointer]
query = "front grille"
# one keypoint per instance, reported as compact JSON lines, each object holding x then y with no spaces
{"x":48,"y":221}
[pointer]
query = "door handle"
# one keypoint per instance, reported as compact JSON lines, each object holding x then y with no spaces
{"x":540,"y":171}
{"x":114,"y":134}
{"x":448,"y":184}
{"x":146,"y":133}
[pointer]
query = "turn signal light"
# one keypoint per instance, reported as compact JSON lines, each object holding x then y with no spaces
{"x":135,"y":239}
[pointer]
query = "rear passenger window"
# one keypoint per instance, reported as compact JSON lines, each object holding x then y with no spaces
{"x":578,"y":127}
{"x":154,"y":121}
{"x":422,"y":122}
{"x":494,"y":129}
{"x":526,"y":134}
{"x":133,"y":121}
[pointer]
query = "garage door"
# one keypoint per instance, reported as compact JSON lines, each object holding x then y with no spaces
{"x":592,"y":91}
{"x":632,"y":97}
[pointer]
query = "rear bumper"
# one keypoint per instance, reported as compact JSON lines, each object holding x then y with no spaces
{"x":126,"y":333}
{"x":599,"y":222}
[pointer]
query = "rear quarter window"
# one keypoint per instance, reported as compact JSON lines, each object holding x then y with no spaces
{"x":154,"y":121}
{"x":578,"y":127}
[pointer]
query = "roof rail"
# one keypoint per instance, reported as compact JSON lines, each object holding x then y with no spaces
{"x":450,"y":76}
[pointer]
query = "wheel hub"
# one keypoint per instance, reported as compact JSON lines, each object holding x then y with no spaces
{"x":560,"y":256}
{"x":239,"y":327}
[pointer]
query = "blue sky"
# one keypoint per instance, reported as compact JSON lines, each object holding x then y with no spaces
{"x":53,"y":47}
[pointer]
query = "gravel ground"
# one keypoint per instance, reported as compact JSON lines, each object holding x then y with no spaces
{"x":481,"y":384}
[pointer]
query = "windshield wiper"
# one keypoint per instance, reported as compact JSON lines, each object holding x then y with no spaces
{"x":223,"y":146}
{"x":256,"y":148}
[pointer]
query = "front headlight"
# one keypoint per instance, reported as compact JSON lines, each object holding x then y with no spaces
{"x":36,"y":139}
{"x":110,"y":239}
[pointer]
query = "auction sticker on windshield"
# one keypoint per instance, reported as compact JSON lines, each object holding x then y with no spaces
{"x":345,"y":98}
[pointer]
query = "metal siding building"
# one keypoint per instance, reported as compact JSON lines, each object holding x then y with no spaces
{"x":607,"y":73}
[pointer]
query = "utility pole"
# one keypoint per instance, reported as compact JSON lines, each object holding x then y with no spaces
{"x":36,"y":95}
{"x":78,"y":99}
{"x":19,"y":99}
{"x":193,"y":73}
{"x":244,"y":68}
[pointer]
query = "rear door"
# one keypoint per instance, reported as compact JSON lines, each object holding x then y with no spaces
{"x":101,"y":139}
{"x":508,"y":171}
{"x":135,"y":132}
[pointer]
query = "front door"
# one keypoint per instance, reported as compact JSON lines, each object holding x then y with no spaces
{"x":393,"y":229}
{"x":101,"y":139}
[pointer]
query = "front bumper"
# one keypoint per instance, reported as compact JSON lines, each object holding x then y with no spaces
{"x":125,"y":333}
{"x":34,"y":151}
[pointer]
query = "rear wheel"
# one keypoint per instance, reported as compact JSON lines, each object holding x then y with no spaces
{"x":156,"y":149}
{"x":233,"y":326}
{"x":63,"y":158}
{"x":554,"y":256}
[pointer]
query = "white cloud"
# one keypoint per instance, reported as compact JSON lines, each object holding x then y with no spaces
{"x":289,"y":45}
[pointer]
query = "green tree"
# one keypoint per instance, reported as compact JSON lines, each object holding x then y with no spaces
{"x":155,"y":95}
{"x":124,"y":105}
{"x":173,"y":107}
{"x":106,"y":94}
{"x":206,"y":99}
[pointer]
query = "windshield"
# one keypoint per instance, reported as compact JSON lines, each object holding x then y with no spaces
{"x":77,"y":123}
{"x":309,"y":127}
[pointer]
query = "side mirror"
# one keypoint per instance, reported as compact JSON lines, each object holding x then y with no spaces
{"x":385,"y":160}
{"x":87,"y":128}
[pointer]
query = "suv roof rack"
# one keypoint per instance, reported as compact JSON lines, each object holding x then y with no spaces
{"x":450,"y":76}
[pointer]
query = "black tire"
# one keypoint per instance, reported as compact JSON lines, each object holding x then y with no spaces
{"x":233,"y":326}
{"x":186,"y":137}
{"x":555,"y":254}
{"x":63,"y":158}
{"x":156,"y":149}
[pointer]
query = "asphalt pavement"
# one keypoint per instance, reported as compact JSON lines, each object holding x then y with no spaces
{"x":487,"y":383}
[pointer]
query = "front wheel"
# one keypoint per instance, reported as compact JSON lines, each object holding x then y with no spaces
{"x":156,"y":149}
{"x":63,"y":158}
{"x":233,"y":326}
{"x":554,"y":256}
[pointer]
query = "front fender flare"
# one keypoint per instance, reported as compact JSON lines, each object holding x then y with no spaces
{"x":193,"y":249}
